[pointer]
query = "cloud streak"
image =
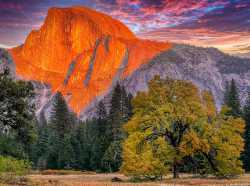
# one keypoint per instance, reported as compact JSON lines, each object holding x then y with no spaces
{"x":230,"y":42}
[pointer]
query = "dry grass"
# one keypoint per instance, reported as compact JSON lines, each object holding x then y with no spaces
{"x":62,"y":172}
{"x":92,"y":179}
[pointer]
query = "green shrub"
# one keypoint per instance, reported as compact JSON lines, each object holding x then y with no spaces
{"x":11,"y":168}
{"x":12,"y":165}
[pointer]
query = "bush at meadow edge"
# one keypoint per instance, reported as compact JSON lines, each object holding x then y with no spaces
{"x":11,"y":168}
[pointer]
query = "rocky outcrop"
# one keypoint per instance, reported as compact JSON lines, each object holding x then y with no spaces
{"x":7,"y":62}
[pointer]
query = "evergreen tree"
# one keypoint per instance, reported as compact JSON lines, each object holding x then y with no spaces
{"x":67,"y":157}
{"x":61,"y":117}
{"x":40,"y":148}
{"x":112,"y":158}
{"x":120,"y":112}
{"x":102,"y":118}
{"x":115,"y":112}
{"x":85,"y":140}
{"x":126,"y":107}
{"x":60,"y":126}
{"x":231,"y":99}
{"x":102,"y":138}
{"x":246,"y":116}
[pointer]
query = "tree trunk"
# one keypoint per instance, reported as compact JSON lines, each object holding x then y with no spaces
{"x":175,"y":171}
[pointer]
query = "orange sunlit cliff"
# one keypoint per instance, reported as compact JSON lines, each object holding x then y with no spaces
{"x":81,"y":53}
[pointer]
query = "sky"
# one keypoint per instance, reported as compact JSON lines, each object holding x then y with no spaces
{"x":224,"y":24}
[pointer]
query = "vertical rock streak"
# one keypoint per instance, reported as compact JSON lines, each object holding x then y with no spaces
{"x":91,"y":63}
{"x":121,"y":69}
{"x":70,"y":70}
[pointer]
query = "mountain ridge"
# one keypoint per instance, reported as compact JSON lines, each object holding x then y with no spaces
{"x":81,"y":53}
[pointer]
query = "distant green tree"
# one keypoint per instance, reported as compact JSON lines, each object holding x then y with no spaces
{"x":83,"y":144}
{"x":61,"y":123}
{"x":61,"y":117}
{"x":115,"y":115}
{"x":102,"y":119}
{"x":66,"y":157}
{"x":10,"y":146}
{"x":231,"y":99}
{"x":120,"y":112}
{"x":246,"y":116}
{"x":112,"y":158}
{"x":104,"y":137}
{"x":40,"y":148}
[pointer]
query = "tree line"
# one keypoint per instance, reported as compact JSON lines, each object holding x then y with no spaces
{"x":67,"y":143}
{"x":171,"y":127}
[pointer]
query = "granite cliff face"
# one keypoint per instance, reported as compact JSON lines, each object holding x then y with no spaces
{"x":81,"y":53}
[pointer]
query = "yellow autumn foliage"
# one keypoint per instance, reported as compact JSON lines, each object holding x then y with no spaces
{"x":173,"y":120}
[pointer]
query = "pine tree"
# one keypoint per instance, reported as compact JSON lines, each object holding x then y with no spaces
{"x":61,"y":123}
{"x":40,"y":148}
{"x":115,"y":112}
{"x":120,"y":112}
{"x":102,"y":138}
{"x":83,"y":142}
{"x":125,"y":105}
{"x":231,"y":99}
{"x":61,"y":117}
{"x":246,"y":116}
{"x":102,"y":118}
{"x":67,"y":157}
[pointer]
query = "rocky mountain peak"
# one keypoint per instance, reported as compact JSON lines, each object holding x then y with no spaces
{"x":82,"y":53}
